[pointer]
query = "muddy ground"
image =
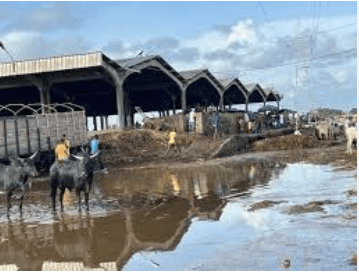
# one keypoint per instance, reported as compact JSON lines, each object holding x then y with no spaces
{"x":147,"y":148}
{"x":192,"y":193}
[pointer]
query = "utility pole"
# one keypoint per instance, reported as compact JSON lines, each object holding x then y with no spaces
{"x":12,"y":59}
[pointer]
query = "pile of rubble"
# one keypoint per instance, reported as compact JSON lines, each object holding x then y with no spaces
{"x":289,"y":142}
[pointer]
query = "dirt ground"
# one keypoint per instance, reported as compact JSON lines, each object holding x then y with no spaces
{"x":147,"y":148}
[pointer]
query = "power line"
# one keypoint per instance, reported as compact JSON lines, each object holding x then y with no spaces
{"x":262,"y":9}
{"x":318,"y":32}
{"x":293,"y":63}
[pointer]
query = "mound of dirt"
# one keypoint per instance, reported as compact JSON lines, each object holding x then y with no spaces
{"x":288,"y":142}
{"x":141,"y":143}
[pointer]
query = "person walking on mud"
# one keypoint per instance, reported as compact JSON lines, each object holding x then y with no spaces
{"x":172,"y":141}
{"x":215,"y":124}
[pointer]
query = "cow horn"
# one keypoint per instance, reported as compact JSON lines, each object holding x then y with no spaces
{"x":77,"y":157}
{"x":33,"y":156}
{"x":94,"y":155}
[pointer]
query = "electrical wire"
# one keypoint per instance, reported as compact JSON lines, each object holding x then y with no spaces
{"x":285,"y":64}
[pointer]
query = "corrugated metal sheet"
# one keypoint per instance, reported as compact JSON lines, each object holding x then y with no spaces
{"x":51,"y":64}
{"x":130,"y":62}
{"x":250,"y":87}
{"x":225,"y":82}
{"x":189,"y":74}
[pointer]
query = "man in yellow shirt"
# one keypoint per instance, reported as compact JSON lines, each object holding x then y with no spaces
{"x":172,"y":142}
{"x":62,"y":151}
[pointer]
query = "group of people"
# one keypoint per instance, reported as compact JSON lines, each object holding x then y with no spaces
{"x":62,"y":150}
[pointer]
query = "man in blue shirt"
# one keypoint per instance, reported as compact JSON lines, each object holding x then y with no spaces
{"x":95,"y":147}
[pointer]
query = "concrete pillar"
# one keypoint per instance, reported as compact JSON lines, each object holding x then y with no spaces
{"x":43,"y":85}
{"x":118,"y":79}
{"x":94,"y":123}
{"x":221,"y":103}
{"x":106,"y":119}
{"x":132,"y":117}
{"x":159,"y":114}
{"x":183,"y":99}
{"x":246,"y":105}
{"x":129,"y":120}
{"x":264,"y":103}
{"x":102,"y":123}
{"x":168,"y":112}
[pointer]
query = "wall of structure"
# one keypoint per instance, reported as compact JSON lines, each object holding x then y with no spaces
{"x":24,"y":135}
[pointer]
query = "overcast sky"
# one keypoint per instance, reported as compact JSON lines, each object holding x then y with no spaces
{"x":257,"y":41}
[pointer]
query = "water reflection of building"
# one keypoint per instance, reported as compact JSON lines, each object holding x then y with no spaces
{"x":101,"y":242}
{"x":77,"y":243}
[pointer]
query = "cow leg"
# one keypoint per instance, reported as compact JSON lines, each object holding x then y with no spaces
{"x":87,"y":193}
{"x":8,"y":200}
{"x":53,"y":196}
{"x":78,"y":193}
{"x":22,"y":198}
{"x":62,"y":191}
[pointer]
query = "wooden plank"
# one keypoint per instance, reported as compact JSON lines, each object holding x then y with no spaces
{"x":17,"y":138}
{"x":5,"y":140}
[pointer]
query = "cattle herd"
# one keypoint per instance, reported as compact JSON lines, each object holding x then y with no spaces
{"x":75,"y":173}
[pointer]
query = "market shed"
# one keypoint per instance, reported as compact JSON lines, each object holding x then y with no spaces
{"x":272,"y":96}
{"x":157,"y":86}
{"x":255,"y":94}
{"x":234,"y":92}
{"x":202,"y":88}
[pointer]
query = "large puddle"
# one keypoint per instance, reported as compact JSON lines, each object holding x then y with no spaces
{"x":261,"y":215}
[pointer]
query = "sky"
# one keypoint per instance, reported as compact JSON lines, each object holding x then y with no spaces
{"x":306,"y":51}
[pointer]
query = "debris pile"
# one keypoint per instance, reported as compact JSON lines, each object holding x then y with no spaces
{"x":289,"y":142}
{"x":141,"y":143}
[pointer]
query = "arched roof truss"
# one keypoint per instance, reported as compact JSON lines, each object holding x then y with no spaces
{"x":256,"y":93}
{"x":271,"y":95}
{"x":152,"y":62}
{"x":234,"y":92}
{"x":202,"y":88}
{"x":192,"y":76}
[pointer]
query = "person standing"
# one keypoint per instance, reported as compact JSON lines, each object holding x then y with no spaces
{"x":172,"y":141}
{"x":215,"y":123}
{"x":95,"y":148}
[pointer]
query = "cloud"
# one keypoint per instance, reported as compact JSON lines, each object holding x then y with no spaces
{"x":114,"y":48}
{"x":186,"y":55}
{"x":49,"y":17}
{"x":160,"y":44}
{"x":33,"y":44}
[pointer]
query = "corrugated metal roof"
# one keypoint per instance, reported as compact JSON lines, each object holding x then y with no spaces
{"x":51,"y":64}
{"x":250,"y":87}
{"x":136,"y":61}
{"x":226,"y":82}
{"x":130,"y":62}
{"x":189,"y":74}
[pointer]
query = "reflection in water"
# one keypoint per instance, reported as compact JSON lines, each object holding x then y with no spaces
{"x":157,"y":207}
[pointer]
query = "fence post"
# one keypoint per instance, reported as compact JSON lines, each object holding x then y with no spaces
{"x":38,"y":138}
{"x":16,"y":137}
{"x":28,"y":135}
{"x":5,"y":139}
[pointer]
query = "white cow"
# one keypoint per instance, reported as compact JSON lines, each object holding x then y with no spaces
{"x":323,"y":130}
{"x":351,"y":135}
